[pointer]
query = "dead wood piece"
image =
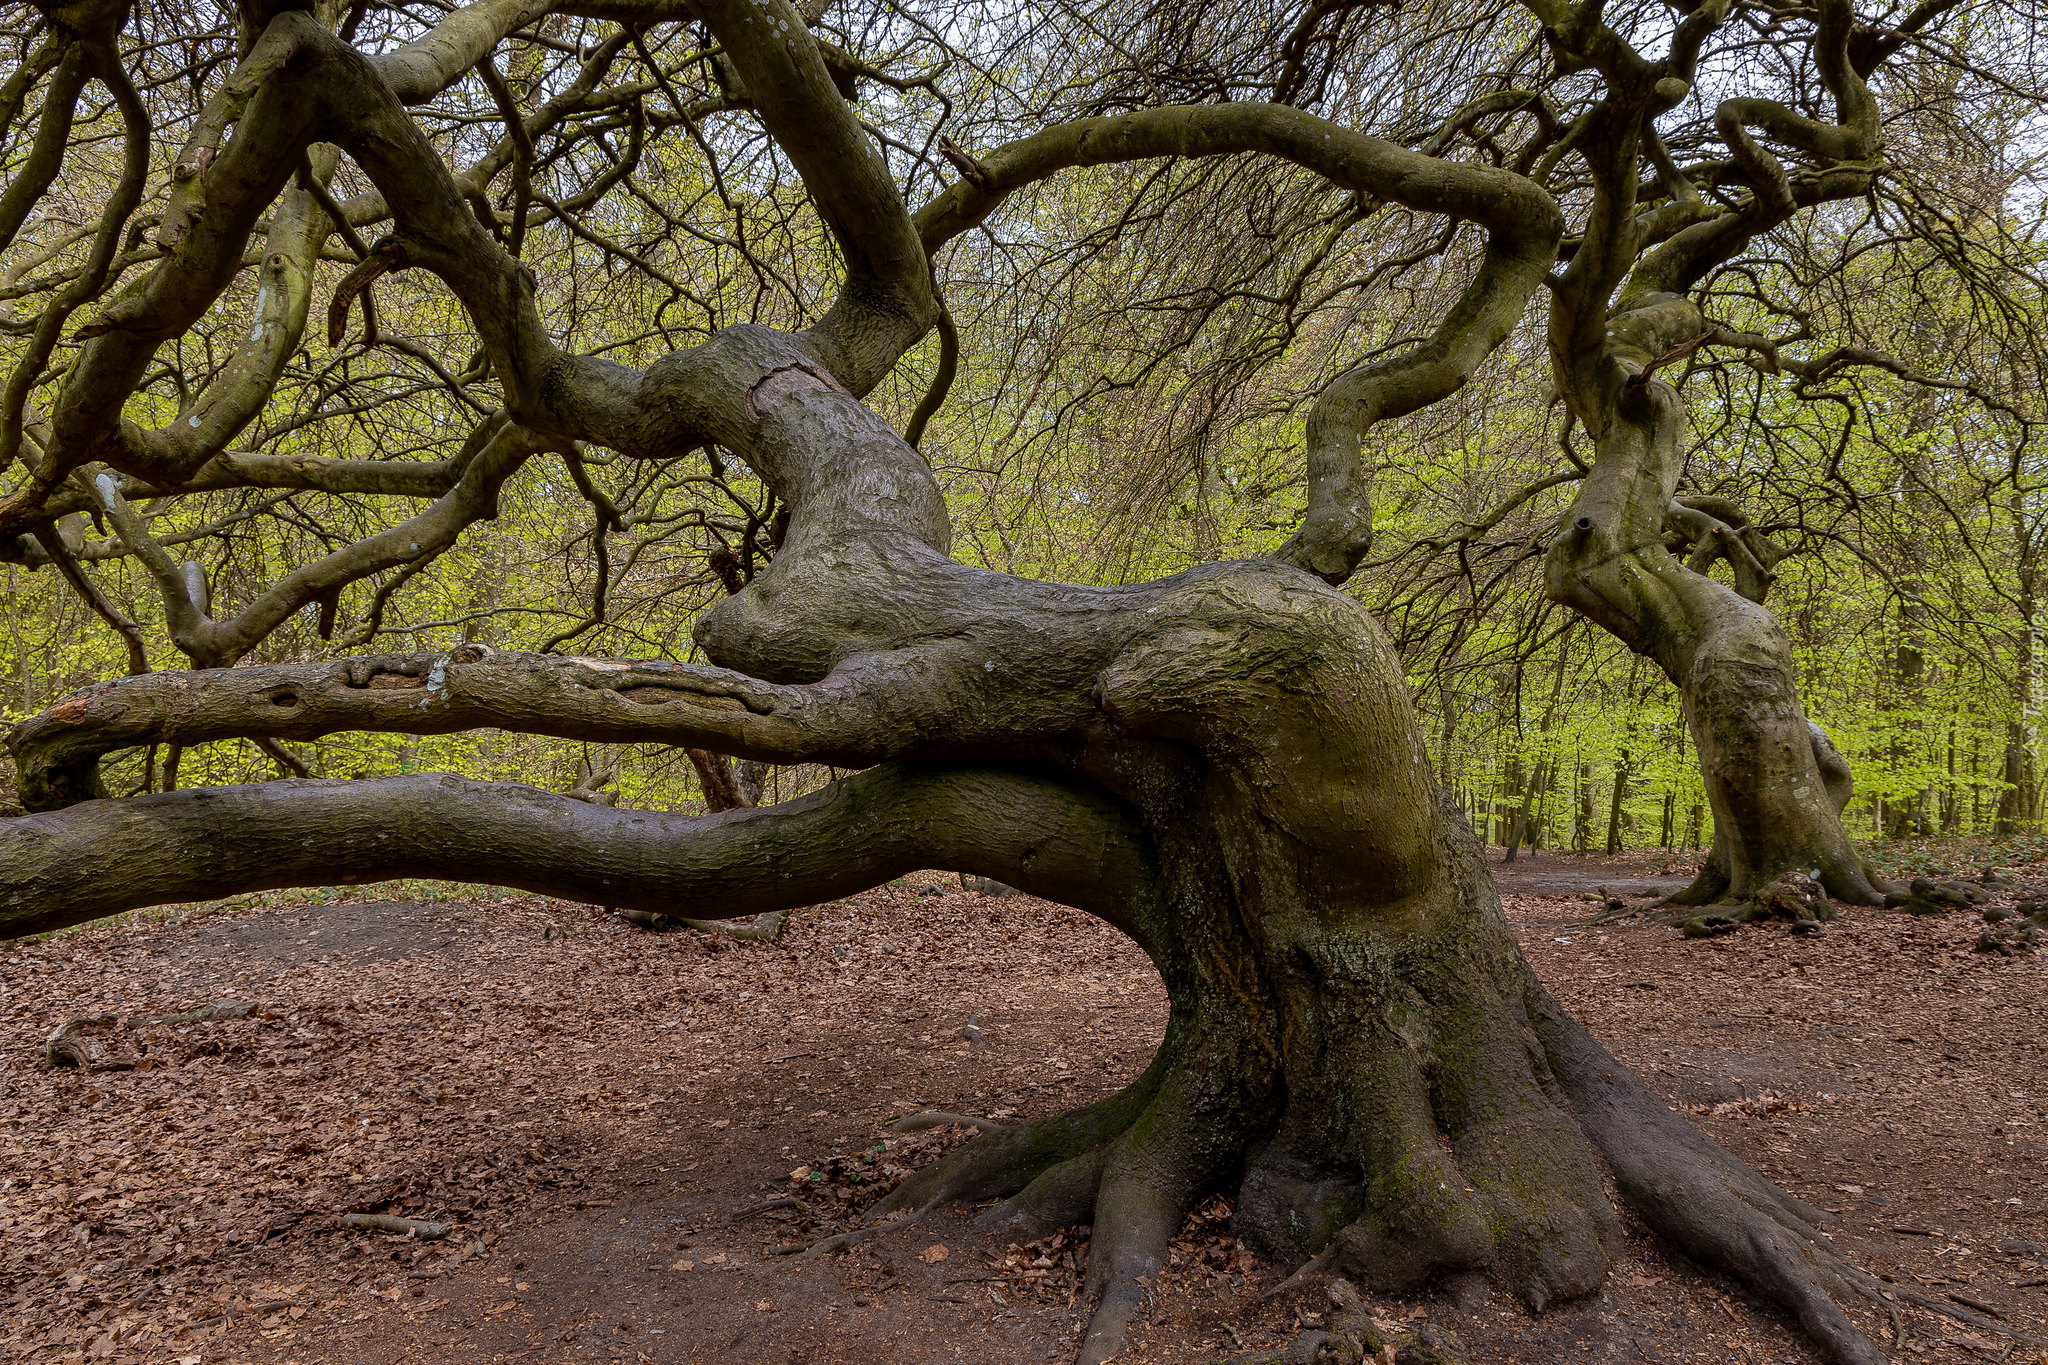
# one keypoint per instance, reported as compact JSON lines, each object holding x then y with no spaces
{"x":918,"y":1123}
{"x":766,"y":927}
{"x":77,"y":1042}
{"x":207,"y":1014}
{"x":384,"y":1222}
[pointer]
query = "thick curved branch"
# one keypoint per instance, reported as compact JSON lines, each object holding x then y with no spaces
{"x":1714,"y":529}
{"x":46,"y":153}
{"x":214,"y":207}
{"x":299,"y":229}
{"x":423,"y":68}
{"x":886,"y":304}
{"x":1846,"y":151}
{"x":255,"y":469}
{"x":1499,"y":201}
{"x":1522,"y":222}
{"x":1052,"y":836}
{"x":92,"y":279}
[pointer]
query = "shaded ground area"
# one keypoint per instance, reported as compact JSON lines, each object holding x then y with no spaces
{"x":589,"y":1107}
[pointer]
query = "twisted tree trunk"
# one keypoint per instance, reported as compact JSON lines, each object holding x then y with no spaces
{"x":1774,"y":782}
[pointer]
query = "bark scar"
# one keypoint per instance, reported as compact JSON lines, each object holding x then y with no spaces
{"x":784,"y":380}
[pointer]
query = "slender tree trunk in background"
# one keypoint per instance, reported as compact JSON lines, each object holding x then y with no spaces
{"x":2016,"y":800}
{"x":1976,"y":783}
{"x":1909,"y":816}
{"x":2016,"y":808}
{"x":1447,"y":704}
{"x":486,"y":587}
{"x":28,"y":704}
{"x":1540,"y":836}
{"x":1582,"y":812}
{"x":1521,"y":827}
{"x":750,"y":780}
{"x":715,"y":777}
{"x":1777,"y":786}
{"x":1665,"y":832}
{"x":1505,"y":806}
{"x":1951,"y":798}
{"x":1692,"y":827}
{"x":727,"y":783}
{"x":1618,"y":795}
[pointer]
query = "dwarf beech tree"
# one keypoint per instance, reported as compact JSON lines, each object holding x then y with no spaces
{"x":1225,"y":764}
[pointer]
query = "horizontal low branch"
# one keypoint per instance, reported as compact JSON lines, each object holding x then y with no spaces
{"x":1048,"y":835}
{"x":611,"y":701}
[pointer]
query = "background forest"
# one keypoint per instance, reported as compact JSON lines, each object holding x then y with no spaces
{"x":1136,"y":353}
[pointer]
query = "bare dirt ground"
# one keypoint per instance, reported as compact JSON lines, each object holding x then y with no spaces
{"x":609,"y":1121}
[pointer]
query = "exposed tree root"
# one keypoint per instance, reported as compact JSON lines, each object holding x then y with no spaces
{"x":841,"y":1241}
{"x":999,"y":1164}
{"x":1710,"y":1204}
{"x":1353,"y":1336}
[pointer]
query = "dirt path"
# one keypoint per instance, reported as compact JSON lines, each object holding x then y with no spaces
{"x":589,"y":1111}
{"x":1631,"y":876}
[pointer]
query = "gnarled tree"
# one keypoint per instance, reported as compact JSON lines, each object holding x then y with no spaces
{"x":1224,"y":764}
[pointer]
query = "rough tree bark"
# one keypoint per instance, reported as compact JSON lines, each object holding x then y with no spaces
{"x":1224,"y":764}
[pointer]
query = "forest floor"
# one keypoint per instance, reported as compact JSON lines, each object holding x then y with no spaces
{"x":607,"y":1119}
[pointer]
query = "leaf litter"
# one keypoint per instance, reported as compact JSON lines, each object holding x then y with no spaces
{"x":572,"y":1098}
